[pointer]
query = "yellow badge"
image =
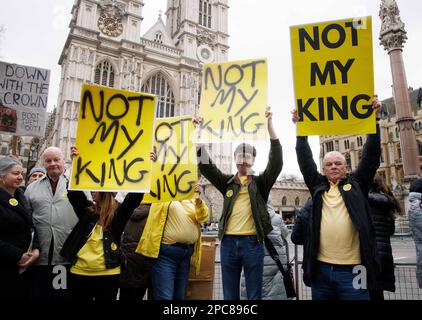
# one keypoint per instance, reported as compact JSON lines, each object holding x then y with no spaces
{"x":113,"y":246}
{"x":13,"y":202}
{"x":229,"y":193}
{"x":347,"y":187}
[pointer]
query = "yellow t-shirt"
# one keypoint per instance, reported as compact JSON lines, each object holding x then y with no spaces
{"x":339,"y":239}
{"x":241,"y":220}
{"x":91,"y":260}
{"x":181,"y":225}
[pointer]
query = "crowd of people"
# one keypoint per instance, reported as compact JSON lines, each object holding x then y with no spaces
{"x":61,"y":244}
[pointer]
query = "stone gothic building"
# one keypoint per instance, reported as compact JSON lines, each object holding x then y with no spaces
{"x":104,"y":46}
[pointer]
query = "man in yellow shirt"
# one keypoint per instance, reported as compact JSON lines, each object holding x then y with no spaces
{"x":339,"y":242}
{"x":245,"y":220}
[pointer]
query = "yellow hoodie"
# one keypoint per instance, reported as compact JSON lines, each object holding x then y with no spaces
{"x":149,"y":244}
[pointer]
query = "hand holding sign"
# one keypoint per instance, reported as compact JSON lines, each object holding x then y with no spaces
{"x":74,"y":151}
{"x":376,"y":104}
{"x":198,"y":191}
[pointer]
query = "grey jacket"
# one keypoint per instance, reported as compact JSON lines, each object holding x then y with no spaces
{"x":272,"y":280}
{"x":53,"y":217}
{"x":415,"y":222}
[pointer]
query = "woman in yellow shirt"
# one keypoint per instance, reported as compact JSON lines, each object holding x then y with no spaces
{"x":93,"y":244}
{"x":171,"y":238}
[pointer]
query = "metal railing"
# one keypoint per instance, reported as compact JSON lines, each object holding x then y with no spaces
{"x":406,"y":283}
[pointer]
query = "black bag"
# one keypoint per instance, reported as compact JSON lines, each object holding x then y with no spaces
{"x":287,"y":274}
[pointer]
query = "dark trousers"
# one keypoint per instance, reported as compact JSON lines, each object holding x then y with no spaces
{"x":132,"y":294}
{"x":376,"y":295}
{"x":50,"y":283}
{"x":13,"y":286}
{"x":98,"y":288}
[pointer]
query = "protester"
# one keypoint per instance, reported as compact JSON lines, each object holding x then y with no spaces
{"x":93,"y":245}
{"x":135,"y":274}
{"x":54,"y":219}
{"x":18,"y":240}
{"x":245,"y":220}
{"x":341,"y":237}
{"x":272,"y":281}
{"x":301,"y":228}
{"x":171,"y":238}
{"x":35,"y":174}
{"x":415,"y":222}
{"x":383,"y":207}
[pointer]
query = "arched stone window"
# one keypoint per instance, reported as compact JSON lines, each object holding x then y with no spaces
{"x":104,"y":74}
{"x":158,"y":85}
{"x":420,"y":148}
{"x":205,"y":13}
{"x":284,"y":201}
{"x":158,"y":37}
{"x":297,"y":201}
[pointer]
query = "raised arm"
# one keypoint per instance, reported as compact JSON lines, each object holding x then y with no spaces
{"x":271,"y":131}
{"x":371,"y":153}
{"x":305,"y":159}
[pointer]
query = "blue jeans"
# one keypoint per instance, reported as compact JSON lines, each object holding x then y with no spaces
{"x":237,"y":252}
{"x":170,"y":272}
{"x":335,"y":282}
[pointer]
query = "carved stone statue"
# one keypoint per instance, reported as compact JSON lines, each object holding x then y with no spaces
{"x":392,"y":33}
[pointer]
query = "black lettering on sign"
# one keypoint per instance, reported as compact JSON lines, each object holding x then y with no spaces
{"x":328,"y":107}
{"x":329,"y":71}
{"x":169,"y":181}
{"x":228,"y":94}
{"x":332,"y":36}
{"x":112,"y":129}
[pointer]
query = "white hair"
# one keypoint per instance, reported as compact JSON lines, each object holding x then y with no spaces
{"x":53,"y":150}
{"x":333,"y":154}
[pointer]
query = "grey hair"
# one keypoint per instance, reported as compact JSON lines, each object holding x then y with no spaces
{"x":6,"y":163}
{"x":333,"y":153}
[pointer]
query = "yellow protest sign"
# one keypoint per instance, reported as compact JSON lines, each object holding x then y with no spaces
{"x":233,"y":101}
{"x":114,"y":138}
{"x":333,"y":77}
{"x":174,"y":174}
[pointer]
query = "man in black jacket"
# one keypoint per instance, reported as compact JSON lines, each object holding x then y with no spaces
{"x":339,"y":247}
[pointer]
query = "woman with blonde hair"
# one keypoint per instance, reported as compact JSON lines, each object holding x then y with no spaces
{"x":93,"y":245}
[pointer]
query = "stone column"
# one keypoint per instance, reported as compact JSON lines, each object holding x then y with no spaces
{"x":393,"y":37}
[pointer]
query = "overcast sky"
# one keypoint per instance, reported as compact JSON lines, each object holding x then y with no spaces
{"x":36,"y":32}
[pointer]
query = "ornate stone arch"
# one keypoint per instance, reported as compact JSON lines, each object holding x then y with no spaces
{"x":114,"y":67}
{"x":160,"y":83}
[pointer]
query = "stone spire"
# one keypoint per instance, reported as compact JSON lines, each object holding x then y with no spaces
{"x":392,"y":34}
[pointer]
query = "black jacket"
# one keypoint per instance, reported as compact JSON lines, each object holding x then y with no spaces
{"x":87,"y":221}
{"x":16,"y":229}
{"x":135,"y":270}
{"x":382,"y":212}
{"x":355,"y":199}
{"x":301,"y":227}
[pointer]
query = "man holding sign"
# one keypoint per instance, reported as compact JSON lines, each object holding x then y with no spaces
{"x":245,"y":220}
{"x":339,"y":260}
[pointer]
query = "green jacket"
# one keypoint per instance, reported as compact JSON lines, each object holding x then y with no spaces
{"x":259,"y":188}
